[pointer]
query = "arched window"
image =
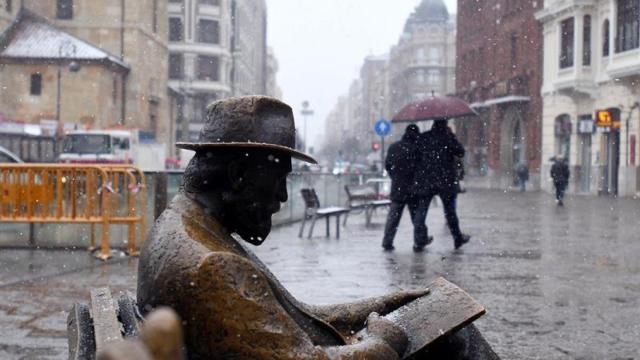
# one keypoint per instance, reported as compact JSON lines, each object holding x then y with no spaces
{"x":586,"y":41}
{"x":628,"y":25}
{"x":567,"y":32}
{"x":605,"y":38}
{"x":562,"y":130}
{"x":518,"y":151}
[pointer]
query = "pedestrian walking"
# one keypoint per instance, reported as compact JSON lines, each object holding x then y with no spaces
{"x":458,"y":164}
{"x":401,"y":163}
{"x":437,"y":175}
{"x":522,"y":174}
{"x":560,"y":174}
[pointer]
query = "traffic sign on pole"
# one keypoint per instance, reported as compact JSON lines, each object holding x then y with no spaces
{"x":382,"y":127}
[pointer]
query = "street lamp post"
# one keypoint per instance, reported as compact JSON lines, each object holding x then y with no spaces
{"x":306,"y":111}
{"x":66,"y":50}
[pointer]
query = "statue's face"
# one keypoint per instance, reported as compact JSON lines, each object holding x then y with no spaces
{"x":260,"y":185}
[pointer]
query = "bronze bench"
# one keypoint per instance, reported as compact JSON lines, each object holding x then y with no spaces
{"x":98,"y":330}
{"x":93,"y":327}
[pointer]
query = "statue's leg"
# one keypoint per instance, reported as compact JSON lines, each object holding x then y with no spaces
{"x":466,"y":344}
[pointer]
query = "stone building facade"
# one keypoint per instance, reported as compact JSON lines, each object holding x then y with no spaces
{"x":249,"y":70}
{"x":6,"y":13}
{"x":420,"y":64}
{"x":217,"y":49}
{"x":592,"y":63}
{"x":118,"y":90}
{"x":375,"y":92}
{"x":53,"y":79}
{"x":423,"y":61}
{"x":336,"y":125}
{"x":271,"y":87}
{"x":499,"y":71}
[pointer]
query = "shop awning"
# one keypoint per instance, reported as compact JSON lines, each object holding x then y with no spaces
{"x":500,"y":100}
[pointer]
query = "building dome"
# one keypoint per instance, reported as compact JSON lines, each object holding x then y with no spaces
{"x":428,"y":12}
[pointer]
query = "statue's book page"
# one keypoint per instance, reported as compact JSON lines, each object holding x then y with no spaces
{"x":446,"y":309}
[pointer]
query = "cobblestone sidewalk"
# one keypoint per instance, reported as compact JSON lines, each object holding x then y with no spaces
{"x":558,"y":283}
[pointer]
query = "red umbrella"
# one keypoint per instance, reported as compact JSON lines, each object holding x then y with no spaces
{"x":434,"y":107}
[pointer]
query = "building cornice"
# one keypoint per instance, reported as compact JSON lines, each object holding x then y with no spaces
{"x":200,"y":49}
{"x":560,"y":9}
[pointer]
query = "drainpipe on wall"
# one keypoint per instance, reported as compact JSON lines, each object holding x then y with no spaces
{"x":635,"y":106}
{"x":233,"y":47}
{"x":123,"y":109}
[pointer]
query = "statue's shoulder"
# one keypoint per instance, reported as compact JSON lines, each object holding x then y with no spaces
{"x":174,"y":244}
{"x":230,"y":267}
{"x":184,"y":223}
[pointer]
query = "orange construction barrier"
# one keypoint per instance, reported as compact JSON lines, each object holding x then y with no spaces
{"x":61,"y":193}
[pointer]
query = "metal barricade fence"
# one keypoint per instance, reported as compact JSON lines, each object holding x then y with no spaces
{"x":79,"y":194}
{"x":329,"y":187}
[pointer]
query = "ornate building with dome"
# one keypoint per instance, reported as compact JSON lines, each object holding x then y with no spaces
{"x":424,"y":59}
{"x":421,"y":63}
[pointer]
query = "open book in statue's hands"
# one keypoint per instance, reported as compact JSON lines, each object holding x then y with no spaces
{"x":443,"y":311}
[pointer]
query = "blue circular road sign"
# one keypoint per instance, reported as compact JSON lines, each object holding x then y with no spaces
{"x":382,"y":127}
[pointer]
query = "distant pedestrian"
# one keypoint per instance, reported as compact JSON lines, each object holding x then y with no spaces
{"x":522,"y":174}
{"x":560,"y":174}
{"x":401,"y":163}
{"x":437,"y":175}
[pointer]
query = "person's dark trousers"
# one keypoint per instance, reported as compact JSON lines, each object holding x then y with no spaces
{"x":523,"y":185}
{"x":393,"y":220}
{"x":560,"y":189}
{"x":449,"y":204}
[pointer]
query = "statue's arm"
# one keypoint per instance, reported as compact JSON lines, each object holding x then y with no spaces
{"x":234,"y":313}
{"x":350,"y":317}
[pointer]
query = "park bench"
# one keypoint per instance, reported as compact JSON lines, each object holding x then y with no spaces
{"x":313,"y":211}
{"x":91,"y":328}
{"x":364,"y":198}
{"x":104,"y":324}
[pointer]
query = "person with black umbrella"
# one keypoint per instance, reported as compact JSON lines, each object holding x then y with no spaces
{"x":437,"y":174}
{"x":401,"y":164}
{"x":439,"y":149}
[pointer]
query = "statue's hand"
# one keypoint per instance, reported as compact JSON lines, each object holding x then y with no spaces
{"x":404,"y":297}
{"x":387,"y":331}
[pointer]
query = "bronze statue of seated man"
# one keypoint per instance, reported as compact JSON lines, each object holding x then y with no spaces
{"x":196,"y":259}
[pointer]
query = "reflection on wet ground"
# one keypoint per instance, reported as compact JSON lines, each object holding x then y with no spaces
{"x":558,"y":283}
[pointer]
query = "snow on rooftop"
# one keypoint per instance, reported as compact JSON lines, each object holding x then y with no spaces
{"x":33,"y":37}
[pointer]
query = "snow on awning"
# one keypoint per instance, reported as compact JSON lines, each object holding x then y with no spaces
{"x":500,"y":100}
{"x":33,"y":37}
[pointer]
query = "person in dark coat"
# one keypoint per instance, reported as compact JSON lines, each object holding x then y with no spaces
{"x":437,"y":175}
{"x":522,"y":174}
{"x":560,"y":174}
{"x":401,"y":162}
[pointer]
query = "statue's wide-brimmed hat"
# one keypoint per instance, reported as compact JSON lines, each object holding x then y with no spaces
{"x":249,"y":122}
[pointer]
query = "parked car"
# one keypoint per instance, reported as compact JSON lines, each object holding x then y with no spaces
{"x":341,"y":167}
{"x":7,"y":156}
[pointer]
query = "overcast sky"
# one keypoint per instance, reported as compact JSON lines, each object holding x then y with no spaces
{"x":321,"y":44}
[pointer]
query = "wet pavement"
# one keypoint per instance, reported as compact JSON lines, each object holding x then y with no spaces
{"x":558,"y":283}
